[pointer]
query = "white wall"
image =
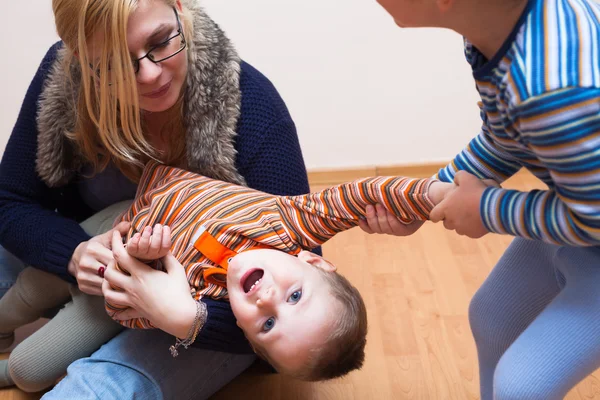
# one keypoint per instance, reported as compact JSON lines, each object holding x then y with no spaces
{"x":26,"y":33}
{"x":362,"y":91}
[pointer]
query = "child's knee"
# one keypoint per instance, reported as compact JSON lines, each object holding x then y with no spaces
{"x":483,"y":317}
{"x":517,"y":379}
{"x":27,"y":376}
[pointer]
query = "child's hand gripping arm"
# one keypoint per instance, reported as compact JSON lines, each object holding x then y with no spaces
{"x":379,"y":220}
{"x":481,"y":157}
{"x":562,"y":129}
{"x":459,"y":208}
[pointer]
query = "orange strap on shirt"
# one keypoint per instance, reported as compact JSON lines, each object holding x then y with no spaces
{"x":212,"y":249}
{"x":217,"y":253}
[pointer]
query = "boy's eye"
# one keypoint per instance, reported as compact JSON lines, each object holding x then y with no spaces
{"x":295,"y":297}
{"x":269,"y":324}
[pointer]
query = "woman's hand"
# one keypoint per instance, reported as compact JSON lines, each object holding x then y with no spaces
{"x":91,"y":258}
{"x":163,"y":298}
{"x":380,"y":220}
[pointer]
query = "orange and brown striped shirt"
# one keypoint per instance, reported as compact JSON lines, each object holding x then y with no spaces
{"x":241,"y":218}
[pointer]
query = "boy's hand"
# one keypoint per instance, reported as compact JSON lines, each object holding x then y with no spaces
{"x":460,"y":208}
{"x":151,"y":244}
{"x":380,"y":220}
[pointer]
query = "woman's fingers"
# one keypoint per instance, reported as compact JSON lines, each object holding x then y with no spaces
{"x":115,"y":277}
{"x":115,"y":297}
{"x":128,"y":314}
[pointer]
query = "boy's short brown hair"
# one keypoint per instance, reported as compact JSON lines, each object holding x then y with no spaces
{"x":344,"y":349}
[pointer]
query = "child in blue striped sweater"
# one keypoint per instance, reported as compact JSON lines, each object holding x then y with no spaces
{"x":536,"y":64}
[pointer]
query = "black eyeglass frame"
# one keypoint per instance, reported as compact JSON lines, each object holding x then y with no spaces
{"x":148,"y":55}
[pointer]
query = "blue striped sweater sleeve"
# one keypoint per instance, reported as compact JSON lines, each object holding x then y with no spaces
{"x":482,"y":158}
{"x":563,"y":130}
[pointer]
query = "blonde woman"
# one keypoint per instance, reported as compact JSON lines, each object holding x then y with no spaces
{"x":131,"y":81}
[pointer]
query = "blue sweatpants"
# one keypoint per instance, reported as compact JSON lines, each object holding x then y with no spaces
{"x":536,"y":321}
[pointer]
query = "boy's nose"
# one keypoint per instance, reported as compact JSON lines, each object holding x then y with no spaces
{"x":265,"y":298}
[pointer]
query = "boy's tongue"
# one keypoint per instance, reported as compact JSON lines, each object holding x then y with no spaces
{"x":251,"y":279}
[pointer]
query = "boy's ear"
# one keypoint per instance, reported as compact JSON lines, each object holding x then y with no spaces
{"x":316,"y":261}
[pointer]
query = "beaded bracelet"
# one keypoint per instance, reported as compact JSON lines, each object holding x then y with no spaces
{"x":199,"y":320}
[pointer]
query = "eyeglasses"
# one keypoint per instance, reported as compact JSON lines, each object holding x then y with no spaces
{"x":162,"y":51}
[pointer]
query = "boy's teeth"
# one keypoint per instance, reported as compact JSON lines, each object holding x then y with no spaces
{"x":255,"y":283}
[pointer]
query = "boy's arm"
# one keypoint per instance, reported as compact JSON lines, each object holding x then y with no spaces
{"x":314,"y":218}
{"x":563,"y":129}
{"x":481,"y":158}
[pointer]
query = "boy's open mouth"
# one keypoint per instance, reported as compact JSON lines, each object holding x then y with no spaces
{"x":251,"y":279}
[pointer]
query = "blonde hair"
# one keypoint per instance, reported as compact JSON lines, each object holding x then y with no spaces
{"x":343,"y":350}
{"x":109,"y":124}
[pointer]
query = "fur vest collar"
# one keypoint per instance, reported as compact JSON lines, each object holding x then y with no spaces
{"x":211,"y":110}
